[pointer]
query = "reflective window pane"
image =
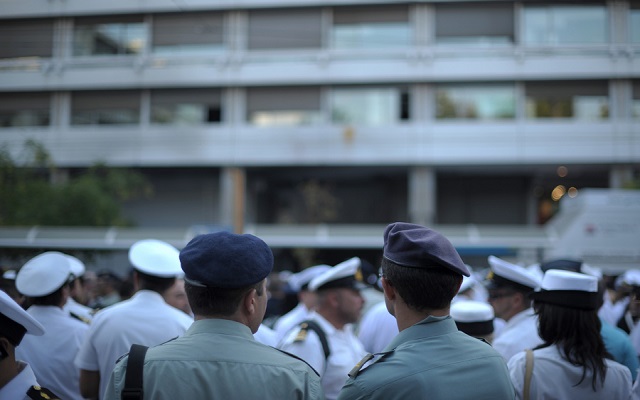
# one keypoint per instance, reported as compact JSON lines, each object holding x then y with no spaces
{"x":634,"y":23}
{"x":370,"y":27}
{"x":105,"y":108}
{"x":283,"y":106}
{"x":565,"y":24}
{"x":24,"y":109}
{"x":635,"y":100}
{"x":109,"y":37}
{"x":477,"y":24}
{"x":26,"y":38}
{"x":285,"y":29}
{"x":575,"y":99}
{"x":185,"y":106}
{"x":460,"y":101}
{"x":187,"y":33}
{"x":369,"y":106}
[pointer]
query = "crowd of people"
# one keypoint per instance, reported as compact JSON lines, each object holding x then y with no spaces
{"x":191,"y":324}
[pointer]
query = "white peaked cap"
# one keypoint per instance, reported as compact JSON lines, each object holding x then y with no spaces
{"x":156,"y":258}
{"x":340,"y":274}
{"x":12,"y":310}
{"x":503,"y":270}
{"x":43,"y":274}
{"x":299,"y":279}
{"x":77,"y":267}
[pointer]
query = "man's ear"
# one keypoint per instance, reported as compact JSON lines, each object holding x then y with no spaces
{"x":389,"y":291}
{"x":249,"y":301}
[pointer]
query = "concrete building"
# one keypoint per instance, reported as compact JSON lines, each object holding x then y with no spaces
{"x":275,"y":116}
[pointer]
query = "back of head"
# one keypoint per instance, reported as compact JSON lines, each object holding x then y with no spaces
{"x":422,"y":265}
{"x":474,"y":318}
{"x":157,"y":264}
{"x":43,"y":277}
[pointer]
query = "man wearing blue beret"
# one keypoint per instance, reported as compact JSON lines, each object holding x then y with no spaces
{"x":218,"y":357}
{"x":430,"y":358}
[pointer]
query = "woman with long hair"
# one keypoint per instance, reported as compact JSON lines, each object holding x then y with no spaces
{"x":572,"y":363}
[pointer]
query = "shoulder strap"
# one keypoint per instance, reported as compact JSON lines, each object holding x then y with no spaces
{"x":133,"y":379}
{"x":527,"y":374}
{"x":305,"y":326}
{"x":38,"y":393}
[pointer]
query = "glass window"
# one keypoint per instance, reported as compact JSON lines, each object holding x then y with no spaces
{"x":369,"y":106}
{"x":24,"y":109}
{"x":468,"y":101}
{"x":483,"y":24}
{"x":370,"y":27}
{"x":26,"y":38}
{"x":185,"y":106}
{"x":575,"y":99}
{"x":105,"y":108}
{"x":285,"y":29}
{"x":101,"y":36}
{"x":634,"y":22}
{"x":187,"y":33}
{"x":635,"y":101}
{"x":565,"y":24}
{"x":283,"y":106}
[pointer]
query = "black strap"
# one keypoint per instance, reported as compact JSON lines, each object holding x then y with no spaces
{"x":133,"y":379}
{"x":313,"y":325}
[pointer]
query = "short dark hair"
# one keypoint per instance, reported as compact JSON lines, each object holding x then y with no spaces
{"x":53,"y":299}
{"x":212,"y":301}
{"x":422,"y":288}
{"x":155,"y":283}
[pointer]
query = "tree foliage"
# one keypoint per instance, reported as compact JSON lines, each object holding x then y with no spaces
{"x":31,"y":194}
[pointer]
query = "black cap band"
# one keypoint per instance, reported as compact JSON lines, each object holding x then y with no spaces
{"x":567,"y":298}
{"x":479,"y":328}
{"x":13,"y":331}
{"x":497,"y":281}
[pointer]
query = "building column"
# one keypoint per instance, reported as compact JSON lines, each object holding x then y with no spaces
{"x":232,"y":198}
{"x":619,"y":176}
{"x":422,"y":195}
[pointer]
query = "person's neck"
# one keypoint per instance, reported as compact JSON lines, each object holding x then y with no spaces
{"x":9,"y":369}
{"x":407,"y":317}
{"x":332,"y":318}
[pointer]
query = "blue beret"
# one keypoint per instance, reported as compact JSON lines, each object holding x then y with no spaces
{"x":226,"y":260}
{"x":416,"y":246}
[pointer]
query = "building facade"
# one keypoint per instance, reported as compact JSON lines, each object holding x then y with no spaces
{"x":275,"y":112}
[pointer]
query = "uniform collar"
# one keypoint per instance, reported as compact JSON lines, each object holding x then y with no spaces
{"x":428,"y":327}
{"x":326,"y":326}
{"x":17,"y":387}
{"x":220,"y":326}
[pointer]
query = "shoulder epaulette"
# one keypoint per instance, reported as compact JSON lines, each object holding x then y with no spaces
{"x":366,"y":362}
{"x":80,"y":318}
{"x":305,"y":326}
{"x":38,"y":392}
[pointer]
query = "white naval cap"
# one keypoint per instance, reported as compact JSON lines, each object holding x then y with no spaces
{"x":568,"y":288}
{"x":473,"y":317}
{"x":9,"y":275}
{"x":43,"y":274}
{"x":300,"y":280}
{"x":15,"y":321}
{"x":156,"y":258}
{"x":77,"y":267}
{"x":630,"y":277}
{"x":504,"y":273}
{"x":467,"y":283}
{"x":347,"y":274}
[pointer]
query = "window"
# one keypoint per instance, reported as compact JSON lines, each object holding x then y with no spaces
{"x":26,"y":38}
{"x":575,"y":99}
{"x":481,"y":101}
{"x":481,"y":24}
{"x":105,"y":108}
{"x":283,"y":106}
{"x":369,"y":106}
{"x":101,"y":36}
{"x":634,"y":22}
{"x":24,"y":109}
{"x":565,"y":24}
{"x":285,"y":29}
{"x":187,"y":33}
{"x":370,"y":27}
{"x":185,"y":106}
{"x":635,"y":101}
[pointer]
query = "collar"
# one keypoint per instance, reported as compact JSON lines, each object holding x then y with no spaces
{"x":17,"y":387}
{"x":39,"y":311}
{"x":428,"y":327}
{"x":521,"y":316}
{"x":327,"y":327}
{"x":148,"y":295}
{"x":221,"y":327}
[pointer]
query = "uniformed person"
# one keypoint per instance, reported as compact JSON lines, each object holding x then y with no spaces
{"x":509,"y":286}
{"x":326,"y":341}
{"x":76,"y":309}
{"x":475,"y":318}
{"x":44,"y":280}
{"x":430,"y":358}
{"x":572,"y":362}
{"x":144,"y":319}
{"x":218,"y":358}
{"x":17,"y":380}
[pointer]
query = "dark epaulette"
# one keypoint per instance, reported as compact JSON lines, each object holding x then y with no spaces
{"x":297,"y":358}
{"x":80,"y":318}
{"x":38,"y":392}
{"x":359,"y":367}
{"x":308,"y":325}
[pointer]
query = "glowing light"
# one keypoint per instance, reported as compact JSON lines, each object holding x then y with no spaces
{"x":562,"y":171}
{"x":572,"y":192}
{"x":558,"y":192}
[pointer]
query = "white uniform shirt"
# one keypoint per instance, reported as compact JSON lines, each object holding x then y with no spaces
{"x":144,"y":319}
{"x":612,"y":312}
{"x":377,"y":328}
{"x":635,"y":337}
{"x":51,"y":355}
{"x":346,"y":352}
{"x":519,"y":333}
{"x":266,"y":335}
{"x":555,"y":378}
{"x":80,"y":310}
{"x":288,"y":321}
{"x":17,"y":388}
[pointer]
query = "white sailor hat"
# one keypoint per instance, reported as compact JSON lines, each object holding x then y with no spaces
{"x":504,"y":273}
{"x":568,"y":289}
{"x":43,"y":274}
{"x":77,"y":267}
{"x":15,"y":322}
{"x":630,"y":277}
{"x":9,"y":275}
{"x":156,"y":258}
{"x":300,"y":280}
{"x":473,"y":317}
{"x":347,"y":274}
{"x":467,"y":283}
